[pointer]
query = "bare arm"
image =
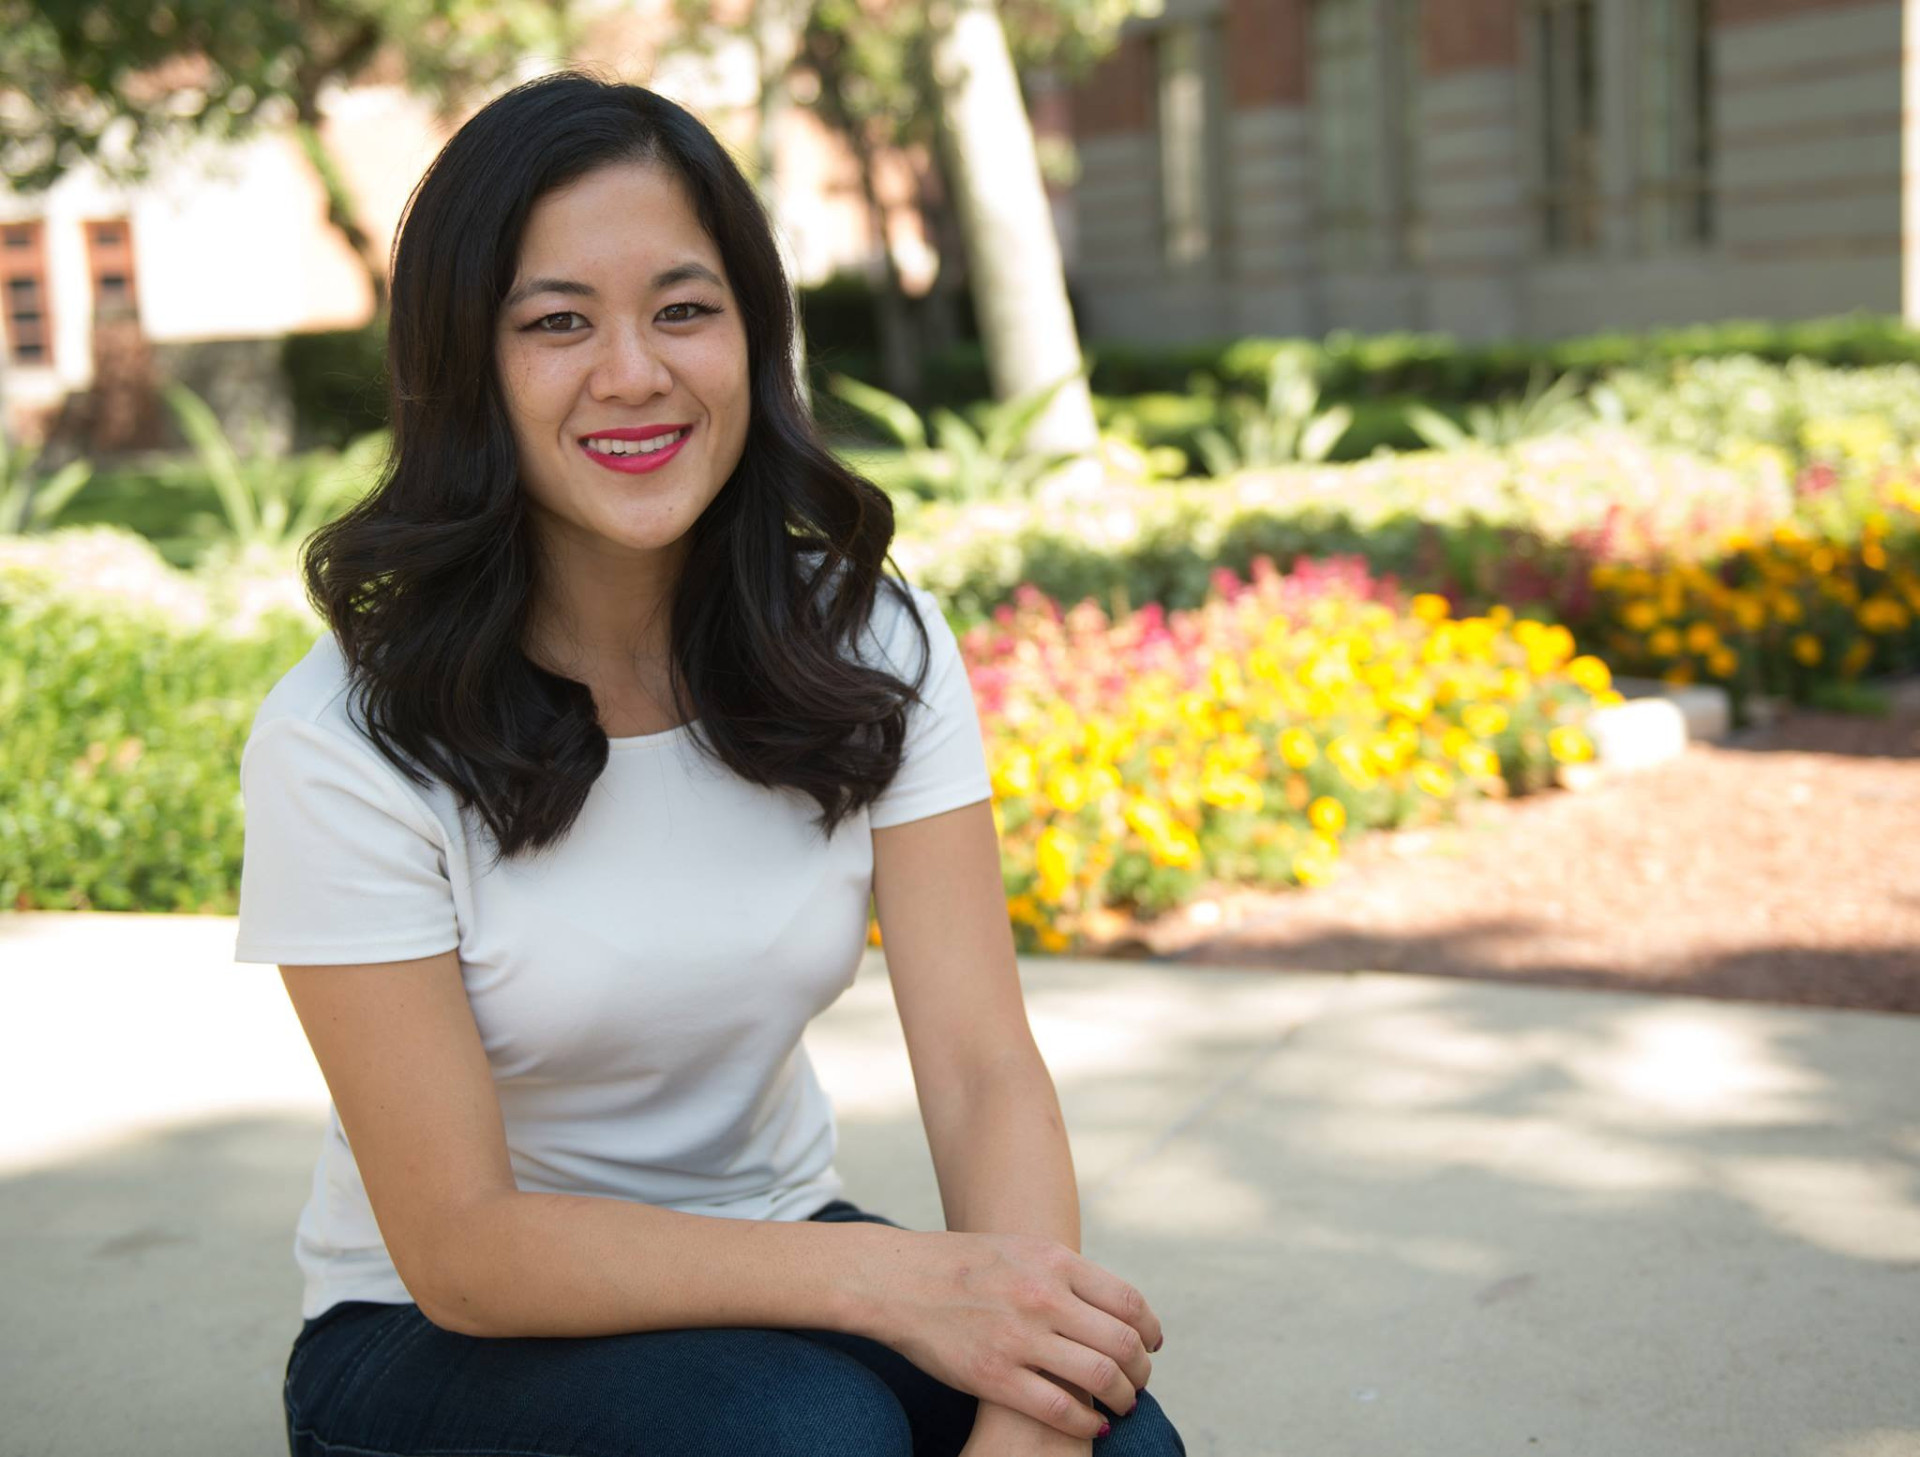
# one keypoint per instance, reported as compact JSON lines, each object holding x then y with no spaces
{"x":992,"y":1114}
{"x":403,"y":1059}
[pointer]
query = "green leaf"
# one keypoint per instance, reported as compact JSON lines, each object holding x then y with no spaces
{"x":203,"y":431}
{"x":1435,"y":428}
{"x":890,"y":410}
{"x":1319,"y":438}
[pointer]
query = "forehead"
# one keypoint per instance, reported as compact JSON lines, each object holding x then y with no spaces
{"x":624,"y":216}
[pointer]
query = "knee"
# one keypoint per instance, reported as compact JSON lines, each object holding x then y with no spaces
{"x":1143,"y":1432}
{"x":842,"y":1408}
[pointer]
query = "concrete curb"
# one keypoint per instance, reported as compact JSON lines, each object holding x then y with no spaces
{"x":1660,"y":719}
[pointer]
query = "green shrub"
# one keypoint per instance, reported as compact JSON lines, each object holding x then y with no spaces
{"x":1439,"y":369}
{"x":338,"y":382}
{"x":127,"y":702}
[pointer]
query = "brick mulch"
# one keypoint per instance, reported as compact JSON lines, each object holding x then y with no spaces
{"x":1782,"y":866}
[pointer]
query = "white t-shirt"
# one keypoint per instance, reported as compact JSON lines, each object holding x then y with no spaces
{"x":640,"y":988}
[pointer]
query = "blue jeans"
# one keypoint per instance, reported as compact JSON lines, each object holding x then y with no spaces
{"x":371,"y":1379}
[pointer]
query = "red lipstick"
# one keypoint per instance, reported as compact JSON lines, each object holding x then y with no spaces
{"x":637,"y":462}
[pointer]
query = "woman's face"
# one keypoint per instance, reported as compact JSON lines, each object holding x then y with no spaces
{"x":621,"y":317}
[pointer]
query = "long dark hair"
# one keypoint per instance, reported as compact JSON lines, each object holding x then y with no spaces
{"x":428,"y":581}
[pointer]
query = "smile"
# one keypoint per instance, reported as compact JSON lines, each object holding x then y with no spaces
{"x":634,"y":455}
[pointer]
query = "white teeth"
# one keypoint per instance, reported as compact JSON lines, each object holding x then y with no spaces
{"x":634,"y":447}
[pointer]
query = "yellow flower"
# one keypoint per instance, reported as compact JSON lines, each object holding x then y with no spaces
{"x":1053,"y":857}
{"x":1702,"y":637}
{"x":1231,"y":791}
{"x":1066,"y":788}
{"x":1327,"y":815}
{"x":1413,"y":701}
{"x":1806,"y":648}
{"x":1569,"y":744}
{"x":1858,"y":654}
{"x":1882,"y":614}
{"x":1179,"y":848}
{"x":1679,"y":675}
{"x":1664,"y":644}
{"x":1313,"y":865}
{"x":1052,"y":940}
{"x":1484,"y":720}
{"x":1297,"y":748}
{"x":1590,"y":673}
{"x":1014,"y":772}
{"x":1479,"y":762}
{"x":1723,"y":662}
{"x":1433,"y":778}
{"x":1430,"y":607}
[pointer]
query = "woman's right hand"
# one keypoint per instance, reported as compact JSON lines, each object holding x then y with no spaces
{"x":987,"y":1313}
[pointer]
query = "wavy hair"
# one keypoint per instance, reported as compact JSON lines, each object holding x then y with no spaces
{"x":428,"y":581}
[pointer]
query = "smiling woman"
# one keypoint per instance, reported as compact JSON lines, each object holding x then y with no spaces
{"x":531,"y":834}
{"x":631,"y":368}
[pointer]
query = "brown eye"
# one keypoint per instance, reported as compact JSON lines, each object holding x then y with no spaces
{"x":540,"y":323}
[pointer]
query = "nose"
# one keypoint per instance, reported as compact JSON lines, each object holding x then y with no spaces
{"x":629,"y":368}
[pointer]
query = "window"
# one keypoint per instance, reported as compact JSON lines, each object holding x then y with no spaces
{"x":1672,"y":199}
{"x":1189,"y":119}
{"x":24,"y":269}
{"x":1567,"y":87}
{"x":110,"y":264}
{"x":1346,"y":109}
{"x":1404,"y":54}
{"x":1366,"y":122}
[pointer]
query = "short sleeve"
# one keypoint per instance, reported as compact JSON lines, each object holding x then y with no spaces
{"x":944,"y":763}
{"x":339,"y":863}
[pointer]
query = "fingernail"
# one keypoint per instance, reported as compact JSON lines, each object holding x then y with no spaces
{"x":1105,"y":1427}
{"x":1158,"y":1344}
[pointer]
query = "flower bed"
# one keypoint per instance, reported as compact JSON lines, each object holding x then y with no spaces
{"x":1778,"y":615}
{"x":1135,"y":759}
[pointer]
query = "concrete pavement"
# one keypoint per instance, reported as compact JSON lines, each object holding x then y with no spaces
{"x":1380,"y":1215}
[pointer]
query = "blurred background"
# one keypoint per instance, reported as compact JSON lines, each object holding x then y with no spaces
{"x":1429,"y":496}
{"x":1344,"y":433}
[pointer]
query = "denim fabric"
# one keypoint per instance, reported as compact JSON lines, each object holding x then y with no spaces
{"x":367,"y":1379}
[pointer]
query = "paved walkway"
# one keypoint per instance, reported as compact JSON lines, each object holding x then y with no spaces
{"x":1381,"y":1215}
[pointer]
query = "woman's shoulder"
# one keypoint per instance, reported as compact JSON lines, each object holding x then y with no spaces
{"x":313,"y":689}
{"x":319,"y":694}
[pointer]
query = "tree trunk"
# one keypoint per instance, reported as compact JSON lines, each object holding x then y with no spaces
{"x":342,"y":210}
{"x":940,"y":325}
{"x":1019,"y":287}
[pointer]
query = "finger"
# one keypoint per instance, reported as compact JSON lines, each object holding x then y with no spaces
{"x":1111,"y":1335}
{"x":1095,"y":1371}
{"x":1117,"y":1297}
{"x":1030,"y":1392}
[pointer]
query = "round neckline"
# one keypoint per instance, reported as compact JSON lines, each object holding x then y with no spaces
{"x":644,"y":741}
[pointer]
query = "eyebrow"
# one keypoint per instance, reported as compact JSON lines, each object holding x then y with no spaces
{"x":679,"y":273}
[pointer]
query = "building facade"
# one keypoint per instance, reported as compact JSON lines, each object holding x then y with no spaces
{"x":1496,"y":168}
